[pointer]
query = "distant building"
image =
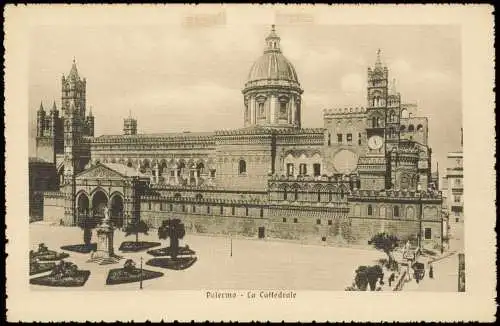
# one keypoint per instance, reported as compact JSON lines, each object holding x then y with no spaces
{"x":367,"y":170}
{"x":454,"y":184}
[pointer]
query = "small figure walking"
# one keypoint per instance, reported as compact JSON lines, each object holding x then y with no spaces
{"x":431,"y":271}
{"x":391,"y":279}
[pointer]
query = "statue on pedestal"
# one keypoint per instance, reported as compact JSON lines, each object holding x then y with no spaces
{"x":105,"y":250}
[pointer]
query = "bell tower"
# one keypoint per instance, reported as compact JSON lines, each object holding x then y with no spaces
{"x":74,"y":124}
{"x":377,"y":94}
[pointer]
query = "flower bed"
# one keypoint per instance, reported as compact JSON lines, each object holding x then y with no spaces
{"x":183,"y":251}
{"x":170,"y":263}
{"x":121,"y":276}
{"x":52,"y":256}
{"x":43,"y":253}
{"x":78,"y":279}
{"x":37,"y":267}
{"x":132,"y":246}
{"x":81,"y":248}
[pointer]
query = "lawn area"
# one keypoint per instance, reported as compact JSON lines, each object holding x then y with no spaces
{"x":255,"y":264}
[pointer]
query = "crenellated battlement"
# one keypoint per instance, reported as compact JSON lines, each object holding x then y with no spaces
{"x":343,"y":111}
{"x":336,"y":178}
{"x":206,"y":201}
{"x":395,"y":194}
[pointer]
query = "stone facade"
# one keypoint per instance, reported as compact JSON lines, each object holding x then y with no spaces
{"x":364,"y":172}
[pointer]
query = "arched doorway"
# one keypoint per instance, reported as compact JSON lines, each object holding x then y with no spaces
{"x":116,"y":211}
{"x":99,"y":202}
{"x":82,"y":208}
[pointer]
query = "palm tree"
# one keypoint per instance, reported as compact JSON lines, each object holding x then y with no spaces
{"x":173,"y":229}
{"x":136,"y":227}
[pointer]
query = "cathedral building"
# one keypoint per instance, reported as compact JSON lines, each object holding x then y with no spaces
{"x":367,"y":170}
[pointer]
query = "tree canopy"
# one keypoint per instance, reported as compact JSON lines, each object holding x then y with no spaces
{"x":385,"y":242}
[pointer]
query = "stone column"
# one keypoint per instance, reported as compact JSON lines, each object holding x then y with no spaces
{"x":157,"y":172}
{"x":253,"y":111}
{"x":293,"y":108}
{"x":272,"y":113}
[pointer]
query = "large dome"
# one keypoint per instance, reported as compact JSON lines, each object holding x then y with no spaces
{"x":272,"y":93}
{"x":273,"y":65}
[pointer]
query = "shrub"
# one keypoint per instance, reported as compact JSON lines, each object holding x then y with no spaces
{"x":129,"y":266}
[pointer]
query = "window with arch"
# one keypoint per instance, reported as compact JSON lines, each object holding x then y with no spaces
{"x":242,"y":169}
{"x":330,"y":195}
{"x":374,"y":122}
{"x":411,"y":128}
{"x":319,"y":195}
{"x":370,"y":210}
{"x":359,"y":138}
{"x":222,"y":210}
{"x":329,"y":139}
{"x":170,"y":207}
{"x":233,"y":210}
{"x":261,"y":212}
{"x":285,"y":194}
{"x":283,"y":108}
{"x":395,"y":211}
{"x":296,"y":194}
{"x":261,"y":109}
{"x":383,"y":211}
{"x":392,"y":117}
{"x":402,"y":128}
{"x":208,"y":209}
{"x":302,"y":169}
{"x":246,"y":211}
{"x":420,"y":128}
{"x":194,"y":209}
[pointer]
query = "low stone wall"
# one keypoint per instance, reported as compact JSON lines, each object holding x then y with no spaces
{"x":53,"y":207}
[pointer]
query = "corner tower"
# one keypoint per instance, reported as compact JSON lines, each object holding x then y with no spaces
{"x":272,"y":93}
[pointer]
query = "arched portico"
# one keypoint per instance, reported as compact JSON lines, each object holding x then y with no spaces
{"x":82,"y":207}
{"x":99,"y":202}
{"x":117,"y":209}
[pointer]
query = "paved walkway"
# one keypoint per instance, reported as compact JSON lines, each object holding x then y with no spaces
{"x":445,"y":277}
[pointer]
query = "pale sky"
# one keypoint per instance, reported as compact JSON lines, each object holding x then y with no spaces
{"x":176,"y":79}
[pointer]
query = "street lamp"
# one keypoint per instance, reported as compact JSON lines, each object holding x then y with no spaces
{"x":140,"y":277}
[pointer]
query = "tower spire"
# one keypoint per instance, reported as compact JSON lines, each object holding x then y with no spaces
{"x":378,"y":62}
{"x":41,"y":106}
{"x":54,"y":108}
{"x":461,"y":137}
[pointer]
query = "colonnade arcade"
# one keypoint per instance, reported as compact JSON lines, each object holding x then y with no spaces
{"x":172,"y":171}
{"x":92,"y":205}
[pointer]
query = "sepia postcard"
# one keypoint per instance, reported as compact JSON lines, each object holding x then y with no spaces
{"x":250,"y":163}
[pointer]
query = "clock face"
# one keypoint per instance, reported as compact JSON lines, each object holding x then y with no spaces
{"x":375,"y":142}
